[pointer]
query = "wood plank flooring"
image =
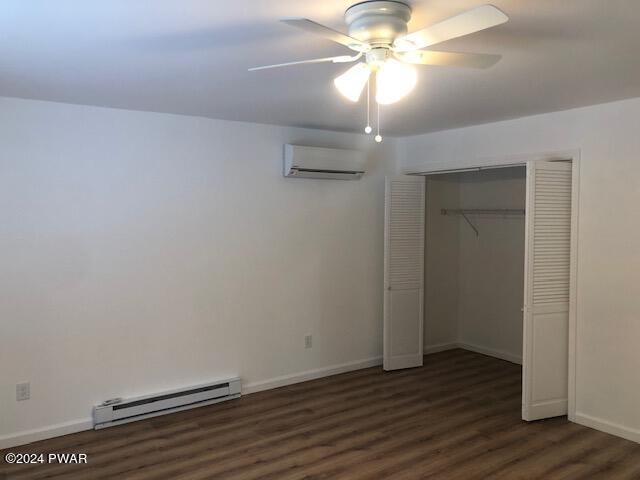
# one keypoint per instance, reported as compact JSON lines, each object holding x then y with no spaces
{"x":458,"y":417}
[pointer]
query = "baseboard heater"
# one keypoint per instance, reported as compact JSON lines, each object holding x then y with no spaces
{"x":117,"y":411}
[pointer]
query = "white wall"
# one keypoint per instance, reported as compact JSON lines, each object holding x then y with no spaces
{"x":491,"y":265}
{"x":145,"y":251}
{"x":608,"y":285}
{"x":175,"y":243}
{"x":474,"y":284}
{"x":442,"y":240}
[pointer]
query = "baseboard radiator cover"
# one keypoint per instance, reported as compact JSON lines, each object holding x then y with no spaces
{"x":118,"y":411}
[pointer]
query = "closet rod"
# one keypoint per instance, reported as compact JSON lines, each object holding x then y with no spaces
{"x":480,"y":211}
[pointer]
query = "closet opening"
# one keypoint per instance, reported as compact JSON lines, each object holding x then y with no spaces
{"x":474,"y":261}
{"x":485,"y":260}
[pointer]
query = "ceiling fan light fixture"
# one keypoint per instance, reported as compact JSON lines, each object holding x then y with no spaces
{"x":351,"y":83}
{"x":377,"y":31}
{"x":394,"y":80}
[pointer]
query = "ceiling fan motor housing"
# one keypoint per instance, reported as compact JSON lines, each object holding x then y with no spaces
{"x":376,"y":57}
{"x":378,"y":22}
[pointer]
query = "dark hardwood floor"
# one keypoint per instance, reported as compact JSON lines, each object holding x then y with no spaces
{"x":458,"y":417}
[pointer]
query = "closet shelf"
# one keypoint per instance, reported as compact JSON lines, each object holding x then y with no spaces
{"x":481,"y":211}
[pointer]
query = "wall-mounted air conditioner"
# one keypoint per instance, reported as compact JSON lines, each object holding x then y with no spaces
{"x":117,"y":411}
{"x":325,"y":163}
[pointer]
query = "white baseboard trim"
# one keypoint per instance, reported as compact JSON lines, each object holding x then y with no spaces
{"x":509,"y":357}
{"x":547,"y":409}
{"x":74,"y":426}
{"x":607,"y":427}
{"x":440,"y":347}
{"x":284,"y":380}
{"x":58,"y":430}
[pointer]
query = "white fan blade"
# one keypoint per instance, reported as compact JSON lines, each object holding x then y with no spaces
{"x":449,"y":59}
{"x":340,"y":59}
{"x":326,"y":32}
{"x":468,"y":22}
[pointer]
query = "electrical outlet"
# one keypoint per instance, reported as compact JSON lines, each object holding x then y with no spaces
{"x":23,"y":391}
{"x":308,"y":341}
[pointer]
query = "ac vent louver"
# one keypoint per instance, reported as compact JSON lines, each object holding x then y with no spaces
{"x":323,"y":163}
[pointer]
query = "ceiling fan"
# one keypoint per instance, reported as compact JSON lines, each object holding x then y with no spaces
{"x":378,"y":32}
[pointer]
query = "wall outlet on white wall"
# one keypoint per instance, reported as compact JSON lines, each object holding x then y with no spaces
{"x":308,"y":341}
{"x":23,"y":391}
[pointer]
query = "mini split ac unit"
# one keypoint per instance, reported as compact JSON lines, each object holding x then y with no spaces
{"x":117,"y":411}
{"x":325,"y":163}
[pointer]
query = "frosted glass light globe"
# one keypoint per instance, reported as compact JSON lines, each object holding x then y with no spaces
{"x":394,"y":81}
{"x":351,"y":83}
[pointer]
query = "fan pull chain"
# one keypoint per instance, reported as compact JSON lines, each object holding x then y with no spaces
{"x":378,"y":137}
{"x":368,"y":128}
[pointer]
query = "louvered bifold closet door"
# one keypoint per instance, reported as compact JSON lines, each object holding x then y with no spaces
{"x":404,"y":271}
{"x":547,"y":284}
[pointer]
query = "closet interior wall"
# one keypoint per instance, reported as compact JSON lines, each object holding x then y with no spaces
{"x":474,"y":283}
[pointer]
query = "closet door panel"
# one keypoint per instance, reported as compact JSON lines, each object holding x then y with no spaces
{"x":550,"y":364}
{"x":547,"y":282}
{"x":403,"y":272}
{"x":404,"y":309}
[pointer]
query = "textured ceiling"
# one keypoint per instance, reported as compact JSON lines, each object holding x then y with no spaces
{"x":190,"y":57}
